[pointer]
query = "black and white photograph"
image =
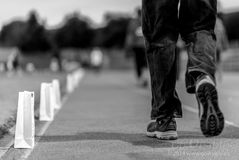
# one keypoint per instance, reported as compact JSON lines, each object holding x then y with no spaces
{"x":119,"y":79}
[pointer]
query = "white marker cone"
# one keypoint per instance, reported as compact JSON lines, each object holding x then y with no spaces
{"x":69,"y":83}
{"x":46,"y":102}
{"x":75,"y":80}
{"x":57,"y":93}
{"x":25,"y":125}
{"x":80,"y":74}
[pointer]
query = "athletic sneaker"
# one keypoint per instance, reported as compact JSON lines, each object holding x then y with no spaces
{"x":211,"y":117}
{"x":164,"y":129}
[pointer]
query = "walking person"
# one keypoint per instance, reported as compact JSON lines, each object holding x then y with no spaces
{"x":222,"y":41}
{"x":135,"y":44}
{"x":96,"y":57}
{"x":194,"y":20}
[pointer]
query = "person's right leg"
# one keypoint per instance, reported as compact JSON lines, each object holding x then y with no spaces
{"x":197,"y":22}
{"x":159,"y":23}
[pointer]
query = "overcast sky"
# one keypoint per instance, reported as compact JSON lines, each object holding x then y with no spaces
{"x":54,"y":10}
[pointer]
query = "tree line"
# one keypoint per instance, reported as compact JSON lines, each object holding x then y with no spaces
{"x":76,"y":31}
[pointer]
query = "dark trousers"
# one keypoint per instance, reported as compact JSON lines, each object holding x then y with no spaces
{"x":140,"y":60}
{"x":162,"y":23}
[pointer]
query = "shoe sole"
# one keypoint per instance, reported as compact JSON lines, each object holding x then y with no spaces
{"x":169,"y":135}
{"x":212,"y":120}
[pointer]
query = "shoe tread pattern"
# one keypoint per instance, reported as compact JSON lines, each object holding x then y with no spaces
{"x":212,"y":120}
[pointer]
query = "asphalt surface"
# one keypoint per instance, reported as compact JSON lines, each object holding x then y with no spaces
{"x":106,"y":118}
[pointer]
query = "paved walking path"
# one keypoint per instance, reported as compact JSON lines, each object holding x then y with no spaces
{"x":105,"y":119}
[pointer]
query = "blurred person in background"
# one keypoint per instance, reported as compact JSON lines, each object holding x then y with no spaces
{"x":135,"y":44}
{"x":194,"y":20}
{"x":222,"y":40}
{"x":96,"y":57}
{"x":13,"y":60}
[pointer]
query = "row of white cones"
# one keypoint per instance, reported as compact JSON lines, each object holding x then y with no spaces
{"x":50,"y":99}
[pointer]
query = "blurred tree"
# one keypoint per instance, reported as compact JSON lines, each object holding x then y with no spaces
{"x":34,"y":37}
{"x":76,"y":32}
{"x":98,"y":37}
{"x":113,"y":34}
{"x":11,"y":33}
